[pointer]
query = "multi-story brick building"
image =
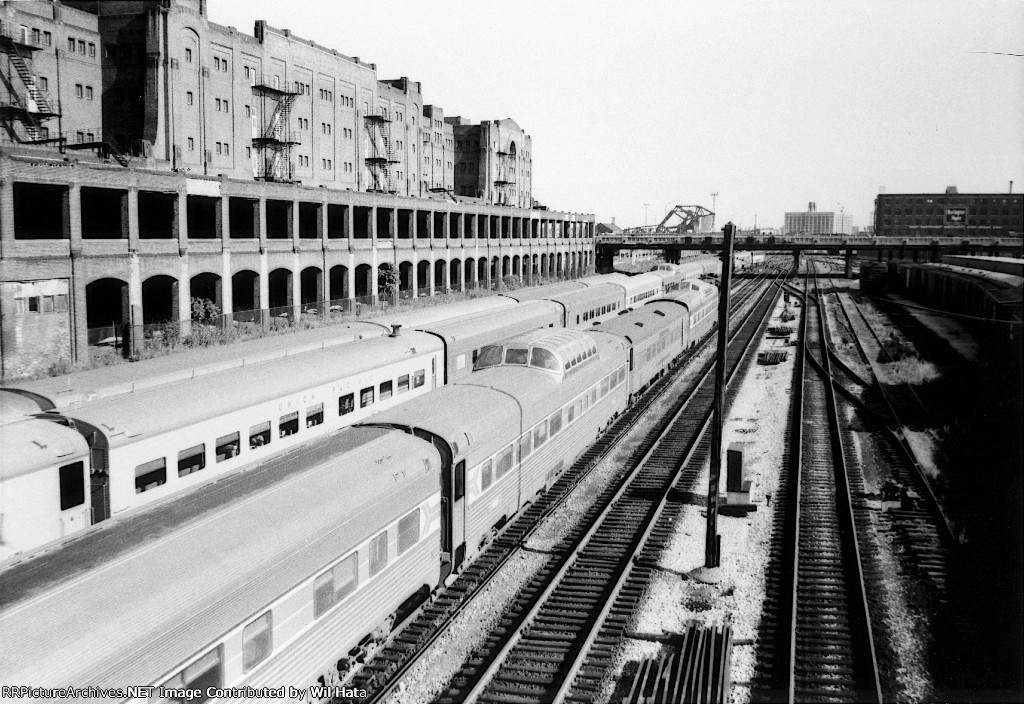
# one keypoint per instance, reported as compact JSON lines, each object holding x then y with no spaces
{"x":817,"y":222}
{"x":260,"y":172}
{"x":949,"y":214}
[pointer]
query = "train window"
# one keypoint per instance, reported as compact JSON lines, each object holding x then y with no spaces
{"x":366,"y":397}
{"x":555,"y":423}
{"x":288,"y":424}
{"x":622,"y":374}
{"x":150,"y":475}
{"x":604,"y":387}
{"x":489,"y":357}
{"x":403,"y":383}
{"x":72,"y":485}
{"x":460,"y":480}
{"x":486,"y":475}
{"x":540,"y":435}
{"x":419,"y":379}
{"x":259,"y":435}
{"x":503,"y":462}
{"x":385,"y":389}
{"x":335,"y":584}
{"x":257,"y":641}
{"x":524,"y":447}
{"x":191,"y":460}
{"x":543,"y":359}
{"x":314,"y":415}
{"x":408,"y":531}
{"x":658,"y":312}
{"x":593,"y":396}
{"x":204,"y":673}
{"x":378,"y":553}
{"x":346,"y":404}
{"x":517,"y":355}
{"x":460,"y":361}
{"x":227,"y":446}
{"x":570,"y":414}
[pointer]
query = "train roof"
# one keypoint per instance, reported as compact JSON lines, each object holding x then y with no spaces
{"x":153,"y":411}
{"x":1004,"y":265}
{"x":33,"y":443}
{"x":545,"y":292}
{"x":470,"y":419}
{"x":128,"y":620}
{"x":644,"y":322}
{"x":15,"y":406}
{"x":490,"y":325}
{"x":70,"y":389}
{"x":631,"y":284}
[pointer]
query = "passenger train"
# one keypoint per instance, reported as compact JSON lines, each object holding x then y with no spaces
{"x":302,"y":566}
{"x":151,"y":430}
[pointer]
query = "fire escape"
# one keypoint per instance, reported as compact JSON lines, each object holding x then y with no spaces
{"x":272,"y":136}
{"x":380,"y":154}
{"x":505,"y":183}
{"x":23,"y":104}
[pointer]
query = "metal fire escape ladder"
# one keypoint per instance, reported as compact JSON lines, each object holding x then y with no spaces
{"x":274,"y":138}
{"x":505,"y":183}
{"x":381,"y":153}
{"x":31,"y":108}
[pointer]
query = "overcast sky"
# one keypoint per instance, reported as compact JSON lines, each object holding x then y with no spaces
{"x":771,"y":105}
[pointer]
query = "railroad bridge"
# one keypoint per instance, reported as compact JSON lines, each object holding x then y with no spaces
{"x":915,"y":248}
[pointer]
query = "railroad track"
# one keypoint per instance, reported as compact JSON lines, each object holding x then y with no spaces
{"x":382,"y":675}
{"x":817,"y":630}
{"x":558,"y":636}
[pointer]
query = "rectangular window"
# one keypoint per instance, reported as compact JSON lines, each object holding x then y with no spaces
{"x":88,"y":92}
{"x":403,"y":383}
{"x":150,"y":475}
{"x":346,"y":404}
{"x":71,"y":44}
{"x":366,"y":397}
{"x":92,"y":49}
{"x":503,"y":463}
{"x":78,"y":90}
{"x":257,"y":641}
{"x":191,"y":144}
{"x":220,"y":149}
{"x":335,"y":584}
{"x":314,"y":415}
{"x":378,"y":553}
{"x":47,"y":39}
{"x":227,"y":446}
{"x":188,"y":55}
{"x":604,"y":387}
{"x":570,"y":414}
{"x":44,"y":83}
{"x":226,"y":106}
{"x":555,"y":423}
{"x":200,"y":675}
{"x":259,"y":435}
{"x":524,"y":447}
{"x":248,"y":111}
{"x":60,"y":303}
{"x":419,"y":379}
{"x":288,"y":424}
{"x":227,"y":149}
{"x":191,"y":460}
{"x":72,"y":485}
{"x":408,"y":531}
{"x":189,"y":98}
{"x":81,"y":46}
{"x":217,"y":104}
{"x":385,"y":390}
{"x":486,"y":475}
{"x":540,"y":435}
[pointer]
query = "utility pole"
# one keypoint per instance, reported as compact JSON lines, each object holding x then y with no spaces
{"x":711,"y":543}
{"x":714,"y":210}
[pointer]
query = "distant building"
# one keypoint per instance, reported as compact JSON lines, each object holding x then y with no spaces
{"x":816,"y":222}
{"x":949,"y":214}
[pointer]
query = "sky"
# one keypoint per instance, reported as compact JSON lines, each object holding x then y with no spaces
{"x":634,"y":107}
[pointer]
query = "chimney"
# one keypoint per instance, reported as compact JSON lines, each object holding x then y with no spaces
{"x":395,"y":328}
{"x":1011,"y":186}
{"x":1011,"y":191}
{"x":812,"y":207}
{"x":951,"y":190}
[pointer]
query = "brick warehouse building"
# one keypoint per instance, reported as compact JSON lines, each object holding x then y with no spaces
{"x":149,"y":156}
{"x":949,"y":214}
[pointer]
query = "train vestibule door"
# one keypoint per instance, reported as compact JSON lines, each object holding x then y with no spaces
{"x":459,"y":514}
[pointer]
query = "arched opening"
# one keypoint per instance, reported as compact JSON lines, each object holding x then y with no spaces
{"x":572,"y":264}
{"x":423,"y":275}
{"x":280,"y":293}
{"x":206,"y":287}
{"x":337,"y":282}
{"x":544,"y":264}
{"x":506,"y":266}
{"x":481,"y":271}
{"x":516,"y":266}
{"x":470,"y":265}
{"x":405,"y":277}
{"x":245,"y":291}
{"x":106,"y":307}
{"x":535,"y":269}
{"x":311,"y":282}
{"x":495,"y":271}
{"x":440,"y":267}
{"x":558,"y":266}
{"x":387,"y":281}
{"x":364,"y":282}
{"x":455,"y":275}
{"x":160,"y":300}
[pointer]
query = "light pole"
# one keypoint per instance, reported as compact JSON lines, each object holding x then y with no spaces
{"x":842,"y":220}
{"x":714,"y":197}
{"x":645,"y":213}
